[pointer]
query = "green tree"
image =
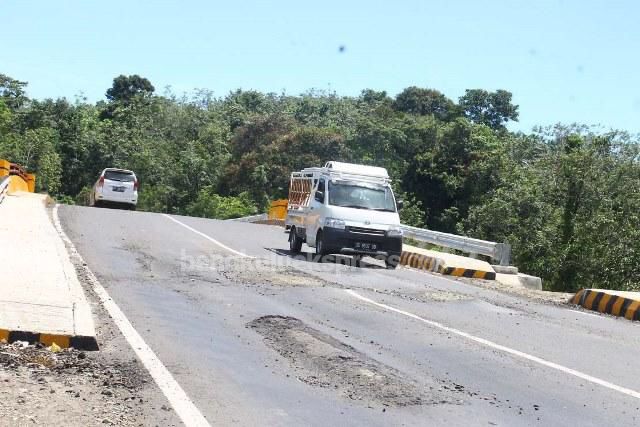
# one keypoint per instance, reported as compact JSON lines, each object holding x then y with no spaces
{"x":493,"y":109}
{"x":415,"y":100}
{"x":12,"y":92}
{"x":452,"y":170}
{"x":125,"y":88}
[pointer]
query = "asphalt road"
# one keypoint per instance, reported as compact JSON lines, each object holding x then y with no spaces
{"x":265,"y":339}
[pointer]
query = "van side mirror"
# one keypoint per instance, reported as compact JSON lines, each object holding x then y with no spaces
{"x":320,"y":196}
{"x":399,"y":204}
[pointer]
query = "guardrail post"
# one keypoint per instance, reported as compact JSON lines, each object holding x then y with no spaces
{"x":503,"y":253}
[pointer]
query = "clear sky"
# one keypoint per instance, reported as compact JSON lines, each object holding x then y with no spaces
{"x":563,"y":60}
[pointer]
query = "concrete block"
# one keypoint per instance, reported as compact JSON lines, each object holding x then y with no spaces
{"x":505,"y":269}
{"x":530,"y":282}
{"x":520,"y":281}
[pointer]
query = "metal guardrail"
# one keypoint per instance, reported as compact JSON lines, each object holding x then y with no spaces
{"x":252,"y":218}
{"x":499,"y":252}
{"x":4,"y":187}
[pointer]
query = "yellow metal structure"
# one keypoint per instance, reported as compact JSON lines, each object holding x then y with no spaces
{"x":17,"y":184}
{"x":19,"y":180}
{"x":278,"y":209}
{"x":5,"y":167}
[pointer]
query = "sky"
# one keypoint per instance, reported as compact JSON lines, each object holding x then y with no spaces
{"x":564,"y":60}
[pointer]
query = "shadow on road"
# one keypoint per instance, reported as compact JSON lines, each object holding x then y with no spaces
{"x":349,"y":261}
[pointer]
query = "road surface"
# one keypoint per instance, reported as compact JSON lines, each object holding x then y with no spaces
{"x":256,"y":337}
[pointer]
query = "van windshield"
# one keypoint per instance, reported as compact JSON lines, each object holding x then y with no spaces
{"x":361,"y":196}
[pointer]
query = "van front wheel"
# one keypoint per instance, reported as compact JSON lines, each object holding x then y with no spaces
{"x":320,"y":248}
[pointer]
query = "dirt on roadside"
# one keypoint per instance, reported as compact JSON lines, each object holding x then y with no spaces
{"x":69,"y":387}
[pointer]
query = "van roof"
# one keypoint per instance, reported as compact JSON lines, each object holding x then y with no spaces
{"x":354,"y":169}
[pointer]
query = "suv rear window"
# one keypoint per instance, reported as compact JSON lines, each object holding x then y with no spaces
{"x":119,"y":176}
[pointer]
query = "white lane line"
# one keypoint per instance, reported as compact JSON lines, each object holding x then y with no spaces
{"x":587,"y":314}
{"x":502,"y":348}
{"x":182,"y":405}
{"x":211,"y":239}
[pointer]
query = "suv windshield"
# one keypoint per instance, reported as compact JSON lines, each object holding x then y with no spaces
{"x":119,"y":176}
{"x":361,"y":196}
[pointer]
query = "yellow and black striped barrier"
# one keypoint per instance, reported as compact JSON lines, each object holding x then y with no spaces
{"x":609,"y":303}
{"x":467,"y":272}
{"x":62,"y":341}
{"x":429,"y":263}
{"x":421,"y":262}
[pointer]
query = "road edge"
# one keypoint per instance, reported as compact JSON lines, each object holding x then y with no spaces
{"x":177,"y":397}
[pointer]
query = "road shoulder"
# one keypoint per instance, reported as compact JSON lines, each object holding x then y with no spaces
{"x":78,"y":388}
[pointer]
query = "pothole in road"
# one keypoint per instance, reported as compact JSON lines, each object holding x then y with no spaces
{"x":432,"y":296}
{"x":322,"y":361}
{"x":260,"y":272}
{"x":444,"y":296}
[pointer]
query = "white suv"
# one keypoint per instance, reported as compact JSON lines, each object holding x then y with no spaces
{"x":117,"y":186}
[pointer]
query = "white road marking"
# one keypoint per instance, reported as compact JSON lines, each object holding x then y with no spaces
{"x":502,"y":348}
{"x":211,"y":239}
{"x":181,"y":403}
{"x":586,"y":314}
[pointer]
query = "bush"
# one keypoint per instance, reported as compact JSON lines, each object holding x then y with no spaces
{"x":65,"y":200}
{"x":82,"y":198}
{"x":208,"y":204}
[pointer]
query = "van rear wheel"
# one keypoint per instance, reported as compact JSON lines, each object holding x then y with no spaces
{"x":295,"y":242}
{"x":391,"y":263}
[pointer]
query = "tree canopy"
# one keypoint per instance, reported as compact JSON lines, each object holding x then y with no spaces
{"x":124,"y":88}
{"x":565,"y":197}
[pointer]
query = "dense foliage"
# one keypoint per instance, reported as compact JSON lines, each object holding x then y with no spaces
{"x":566,"y":198}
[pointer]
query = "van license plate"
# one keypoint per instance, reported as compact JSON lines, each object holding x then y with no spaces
{"x":366,"y":246}
{"x":118,"y":189}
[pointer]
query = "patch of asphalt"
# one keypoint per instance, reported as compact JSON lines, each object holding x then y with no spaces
{"x":260,"y":272}
{"x":144,"y":259}
{"x":323,"y":361}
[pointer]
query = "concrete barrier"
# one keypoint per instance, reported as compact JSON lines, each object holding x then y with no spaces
{"x":616,"y":303}
{"x":446,"y":264}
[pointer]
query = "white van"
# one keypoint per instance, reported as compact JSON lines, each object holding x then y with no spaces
{"x":117,"y":186}
{"x":347,"y":209}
